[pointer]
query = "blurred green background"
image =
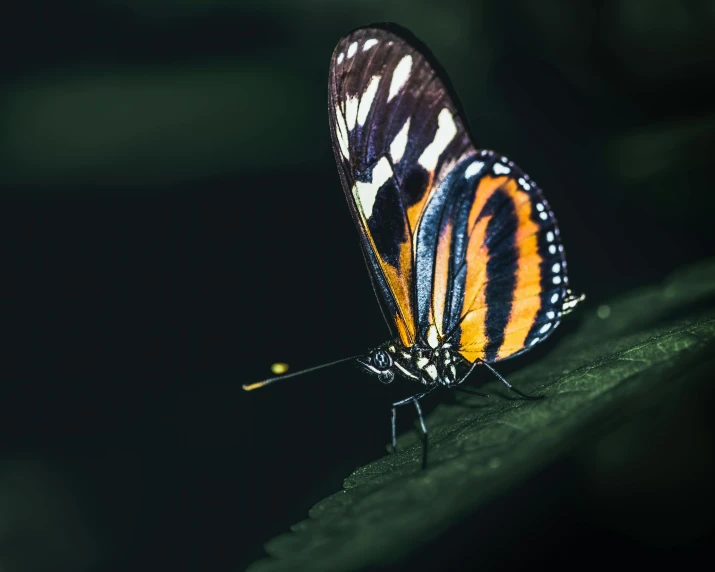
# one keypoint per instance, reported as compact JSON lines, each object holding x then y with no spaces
{"x":172,"y":223}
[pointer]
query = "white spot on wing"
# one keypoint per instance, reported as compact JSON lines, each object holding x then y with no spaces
{"x":554,"y":298}
{"x":556,"y":267}
{"x":535,"y":341}
{"x":473,"y":169}
{"x":526,"y":186}
{"x":369,"y":44}
{"x":365,"y":193}
{"x":399,"y":76}
{"x":351,"y":107}
{"x":545,"y":328}
{"x":399,"y":143}
{"x":352,"y":49}
{"x":432,"y":338}
{"x":341,"y":56}
{"x":366,"y":100}
{"x":550,"y":236}
{"x":552,"y":249}
{"x":342,"y":132}
{"x":556,"y":279}
{"x":550,"y":315}
{"x":446,"y":130}
{"x":539,"y":207}
{"x":543,"y":216}
{"x":500,"y":169}
{"x":421,"y":362}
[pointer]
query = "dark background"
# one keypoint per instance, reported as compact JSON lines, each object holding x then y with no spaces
{"x":172,"y":223}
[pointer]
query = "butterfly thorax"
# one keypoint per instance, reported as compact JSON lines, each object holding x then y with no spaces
{"x":423,"y":365}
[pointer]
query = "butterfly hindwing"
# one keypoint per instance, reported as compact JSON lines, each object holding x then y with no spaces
{"x":460,"y":243}
{"x":494,"y":267}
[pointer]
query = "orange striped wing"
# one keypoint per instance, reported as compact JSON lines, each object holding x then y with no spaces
{"x":515,"y":279}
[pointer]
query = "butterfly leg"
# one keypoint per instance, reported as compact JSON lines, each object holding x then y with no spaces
{"x":471,"y":391}
{"x":425,"y":435}
{"x":394,"y":430}
{"x":509,"y":385}
{"x":465,"y":376}
{"x":414,"y":399}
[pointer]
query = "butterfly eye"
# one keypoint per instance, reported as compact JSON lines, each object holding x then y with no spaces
{"x":382,"y":361}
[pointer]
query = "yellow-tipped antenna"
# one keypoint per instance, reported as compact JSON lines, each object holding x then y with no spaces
{"x":252,"y":386}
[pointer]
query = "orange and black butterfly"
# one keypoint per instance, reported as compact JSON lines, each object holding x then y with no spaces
{"x":463,"y":250}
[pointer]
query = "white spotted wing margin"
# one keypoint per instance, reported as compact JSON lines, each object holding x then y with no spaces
{"x":397,"y":131}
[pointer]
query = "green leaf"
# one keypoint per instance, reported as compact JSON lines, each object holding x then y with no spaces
{"x":637,"y":348}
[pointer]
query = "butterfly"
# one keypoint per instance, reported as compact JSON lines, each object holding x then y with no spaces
{"x":462,"y":249}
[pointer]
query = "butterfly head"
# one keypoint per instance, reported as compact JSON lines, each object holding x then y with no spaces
{"x":380,"y":363}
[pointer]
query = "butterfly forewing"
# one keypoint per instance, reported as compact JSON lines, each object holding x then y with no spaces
{"x":460,"y":244}
{"x":393,"y":125}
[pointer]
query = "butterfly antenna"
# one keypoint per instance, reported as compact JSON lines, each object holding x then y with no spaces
{"x":252,"y":386}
